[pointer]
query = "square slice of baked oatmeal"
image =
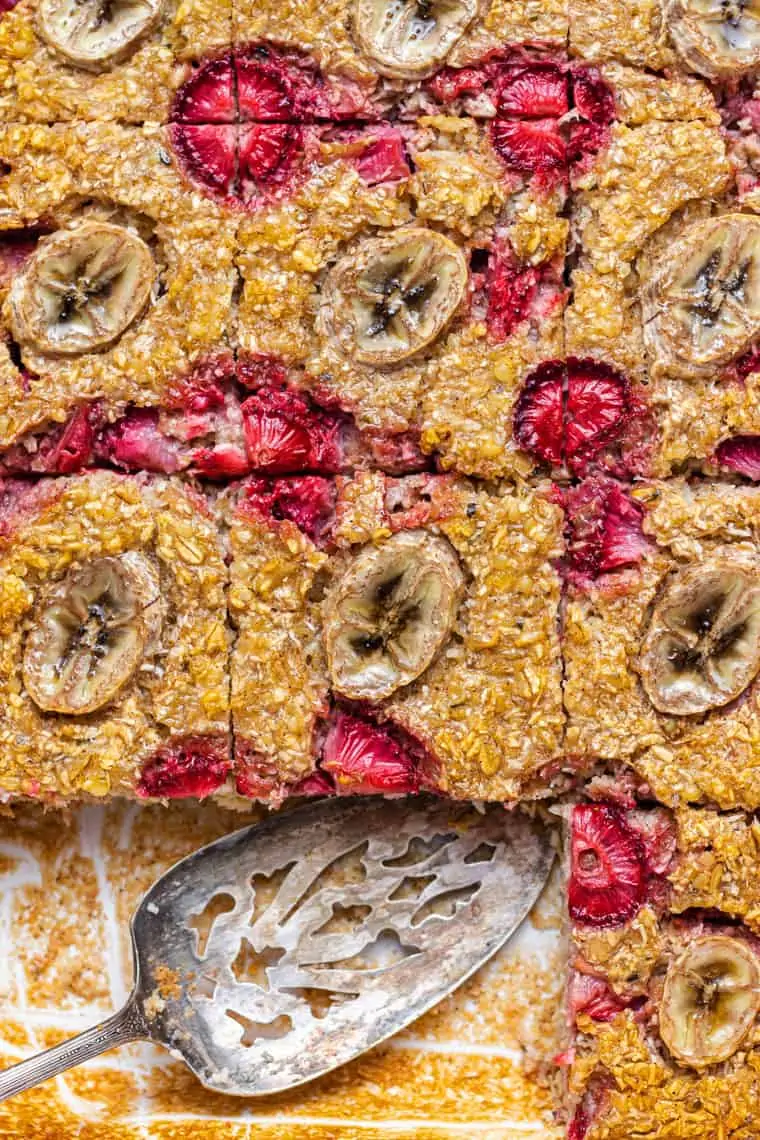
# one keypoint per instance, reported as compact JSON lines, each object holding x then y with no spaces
{"x":67,"y":60}
{"x":395,"y":635}
{"x":114,"y":659}
{"x":662,"y":635}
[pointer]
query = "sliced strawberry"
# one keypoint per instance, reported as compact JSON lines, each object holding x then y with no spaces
{"x":748,"y":363}
{"x":740,"y":453}
{"x":191,"y":766}
{"x":536,"y":146}
{"x":452,"y":82}
{"x":593,"y":997}
{"x":605,"y":529}
{"x":511,"y":288}
{"x":283,"y":432}
{"x":316,"y":784}
{"x":207,"y":155}
{"x":204,"y":386}
{"x":308,"y":501}
{"x":593,"y":97}
{"x":539,"y":412}
{"x":657,"y":830}
{"x":608,"y":867}
{"x":379,"y":154}
{"x":268,"y":161}
{"x":135,"y":443}
{"x":61,"y":450}
{"x":8,"y":5}
{"x":223,"y":462}
{"x":535,"y":91}
{"x":365,"y":760}
{"x":267,"y":84}
{"x":208,"y":95}
{"x":599,"y":405}
{"x":259,"y":370}
{"x":579,"y":1125}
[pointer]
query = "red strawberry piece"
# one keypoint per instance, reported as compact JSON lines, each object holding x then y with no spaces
{"x":267,"y":85}
{"x":533,"y":146}
{"x":748,"y":363}
{"x":608,"y":867}
{"x":539,"y":412}
{"x":740,"y":453}
{"x":62,"y":450}
{"x":316,"y":784}
{"x":579,"y":1125}
{"x":657,"y":831}
{"x":536,"y":91}
{"x":206,"y":154}
{"x":204,"y":388}
{"x":136,"y":443}
{"x":511,"y":288}
{"x":364,"y":759}
{"x":223,"y":462}
{"x":598,"y":408}
{"x":593,"y":97}
{"x":605,"y":529}
{"x":283,"y":432}
{"x":259,"y":370}
{"x":8,"y":5}
{"x":452,"y":82}
{"x":208,"y":95}
{"x":269,"y":159}
{"x":593,"y":997}
{"x":191,"y":766}
{"x":382,"y":156}
{"x":308,"y":501}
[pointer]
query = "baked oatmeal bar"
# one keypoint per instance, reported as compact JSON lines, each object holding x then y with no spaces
{"x":662,"y":635}
{"x":116,"y":283}
{"x":664,"y":985}
{"x":114,"y":640}
{"x":395,"y":635}
{"x":414,"y":274}
{"x":66,"y":60}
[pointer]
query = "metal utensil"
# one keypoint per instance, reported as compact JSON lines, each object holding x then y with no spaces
{"x":283,"y":950}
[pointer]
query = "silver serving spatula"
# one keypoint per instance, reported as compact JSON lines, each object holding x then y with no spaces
{"x":285,"y":949}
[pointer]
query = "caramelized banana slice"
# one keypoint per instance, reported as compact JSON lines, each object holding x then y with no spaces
{"x":94,"y":34}
{"x":710,"y":999}
{"x":411,"y":38}
{"x":91,"y":633}
{"x":390,"y":613}
{"x":702,"y":648}
{"x":702,"y":302}
{"x":717,"y":38}
{"x":81,"y":289}
{"x":394,"y":296}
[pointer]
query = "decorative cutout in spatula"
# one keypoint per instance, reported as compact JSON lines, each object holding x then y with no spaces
{"x":285,"y":949}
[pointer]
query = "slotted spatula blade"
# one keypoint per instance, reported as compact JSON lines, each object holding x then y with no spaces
{"x":283,"y":950}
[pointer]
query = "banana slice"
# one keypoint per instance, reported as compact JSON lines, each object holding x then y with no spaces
{"x":394,"y":296}
{"x":390,"y":613}
{"x":702,"y":648}
{"x":717,"y":38}
{"x":81,"y":289}
{"x":702,"y":303}
{"x":410,"y":38}
{"x":91,"y":633}
{"x":710,"y":999}
{"x":94,"y":34}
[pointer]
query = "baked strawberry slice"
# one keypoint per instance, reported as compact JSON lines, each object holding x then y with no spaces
{"x":225,"y":461}
{"x":511,"y":289}
{"x":317,"y":783}
{"x":531,"y":146}
{"x":61,"y":450}
{"x":308,"y":501}
{"x":7,"y":5}
{"x":451,"y":83}
{"x":364,"y":759}
{"x":283,"y":432}
{"x":740,"y":453}
{"x":604,"y":529}
{"x":208,"y":96}
{"x":608,"y":867}
{"x":535,"y":91}
{"x":378,"y":153}
{"x":135,"y":443}
{"x":599,"y":405}
{"x":539,"y":413}
{"x":261,"y":370}
{"x":207,"y":155}
{"x":267,"y":85}
{"x":579,"y":1125}
{"x":593,"y":997}
{"x":592,"y":96}
{"x":269,"y":159}
{"x":191,"y":766}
